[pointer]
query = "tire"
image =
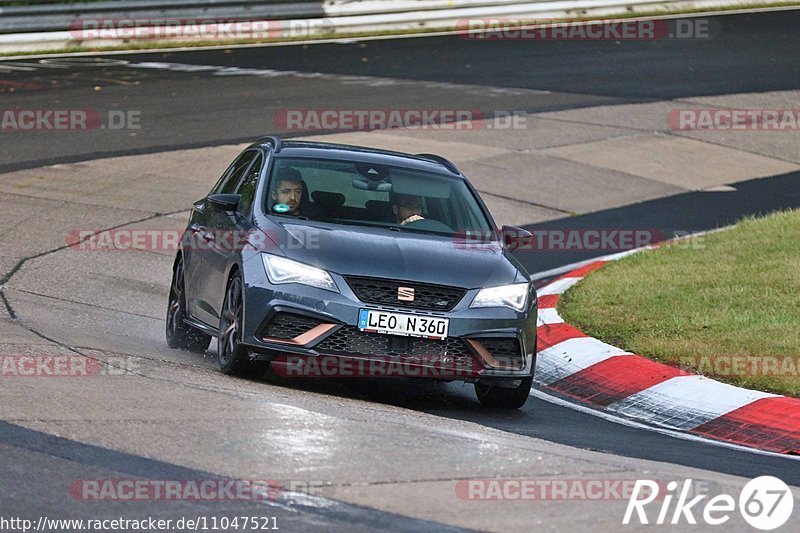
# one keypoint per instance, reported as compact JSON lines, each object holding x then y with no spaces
{"x":492,"y":396}
{"x":232,"y":356}
{"x":180,"y":335}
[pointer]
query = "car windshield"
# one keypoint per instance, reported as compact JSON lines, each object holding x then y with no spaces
{"x":354,"y":193}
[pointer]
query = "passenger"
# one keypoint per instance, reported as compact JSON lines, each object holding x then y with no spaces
{"x":407,"y":208}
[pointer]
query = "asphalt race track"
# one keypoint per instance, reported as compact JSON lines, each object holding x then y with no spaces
{"x":751,"y":53}
{"x":389,"y":453}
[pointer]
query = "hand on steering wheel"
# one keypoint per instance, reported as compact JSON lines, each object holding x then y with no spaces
{"x":412,"y":218}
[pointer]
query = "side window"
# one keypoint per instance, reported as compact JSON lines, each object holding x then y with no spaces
{"x":247,"y":189}
{"x":227,"y":184}
{"x":217,"y":186}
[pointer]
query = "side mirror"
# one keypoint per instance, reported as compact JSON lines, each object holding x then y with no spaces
{"x":515,"y":238}
{"x":224,"y":202}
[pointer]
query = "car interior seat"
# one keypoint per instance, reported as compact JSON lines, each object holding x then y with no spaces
{"x":329,"y":203}
{"x":380,"y":211}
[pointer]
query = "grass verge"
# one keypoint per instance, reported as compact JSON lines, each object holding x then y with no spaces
{"x":726,"y":305}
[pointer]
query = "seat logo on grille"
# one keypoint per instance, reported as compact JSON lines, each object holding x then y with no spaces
{"x":405,"y":294}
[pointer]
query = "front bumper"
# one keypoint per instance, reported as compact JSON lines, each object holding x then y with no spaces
{"x":315,"y":332}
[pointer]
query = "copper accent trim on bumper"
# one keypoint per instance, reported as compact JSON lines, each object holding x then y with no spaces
{"x":304,"y":338}
{"x":489,"y":359}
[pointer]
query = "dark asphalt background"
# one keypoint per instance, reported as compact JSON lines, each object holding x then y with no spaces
{"x":63,"y":461}
{"x":747,"y":53}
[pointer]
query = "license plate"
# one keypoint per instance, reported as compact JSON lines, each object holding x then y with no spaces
{"x":405,"y":325}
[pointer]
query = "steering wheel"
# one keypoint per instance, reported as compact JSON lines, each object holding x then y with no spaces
{"x":430,"y":225}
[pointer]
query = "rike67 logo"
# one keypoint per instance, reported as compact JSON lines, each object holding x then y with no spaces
{"x":766,"y":503}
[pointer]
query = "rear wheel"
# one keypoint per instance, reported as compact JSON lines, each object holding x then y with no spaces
{"x":179,"y":334}
{"x":233,"y":357}
{"x":504,"y":398}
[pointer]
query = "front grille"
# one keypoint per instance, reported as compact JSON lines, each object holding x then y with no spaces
{"x":288,"y":326}
{"x":350,"y":341}
{"x":426,"y":296}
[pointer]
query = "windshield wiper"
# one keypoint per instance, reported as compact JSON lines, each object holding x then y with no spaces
{"x":348,"y":222}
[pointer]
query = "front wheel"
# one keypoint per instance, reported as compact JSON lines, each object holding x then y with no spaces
{"x":504,"y":398}
{"x":179,"y":334}
{"x":233,"y":357}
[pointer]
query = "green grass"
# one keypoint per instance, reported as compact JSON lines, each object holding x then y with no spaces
{"x":730,"y":294}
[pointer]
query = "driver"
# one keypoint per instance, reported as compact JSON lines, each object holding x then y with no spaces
{"x":407,"y":208}
{"x":289,"y":190}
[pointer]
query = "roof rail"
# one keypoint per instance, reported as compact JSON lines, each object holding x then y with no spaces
{"x":275,"y":140}
{"x":441,"y":160}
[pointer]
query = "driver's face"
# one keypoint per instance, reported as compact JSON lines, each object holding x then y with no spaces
{"x":289,"y":193}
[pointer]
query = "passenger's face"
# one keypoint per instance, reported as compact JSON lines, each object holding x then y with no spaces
{"x":289,"y":193}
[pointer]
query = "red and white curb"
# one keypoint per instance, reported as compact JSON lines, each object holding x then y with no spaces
{"x":573,"y":364}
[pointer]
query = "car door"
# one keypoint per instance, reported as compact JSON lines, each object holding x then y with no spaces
{"x":207,"y":243}
{"x":229,"y":230}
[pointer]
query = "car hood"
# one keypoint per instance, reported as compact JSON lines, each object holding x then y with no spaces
{"x":377,"y":252}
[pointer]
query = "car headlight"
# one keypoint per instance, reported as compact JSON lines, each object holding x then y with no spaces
{"x":513,"y":296}
{"x":281,"y":270}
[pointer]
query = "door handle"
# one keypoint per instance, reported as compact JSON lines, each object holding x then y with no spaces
{"x":200,"y":231}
